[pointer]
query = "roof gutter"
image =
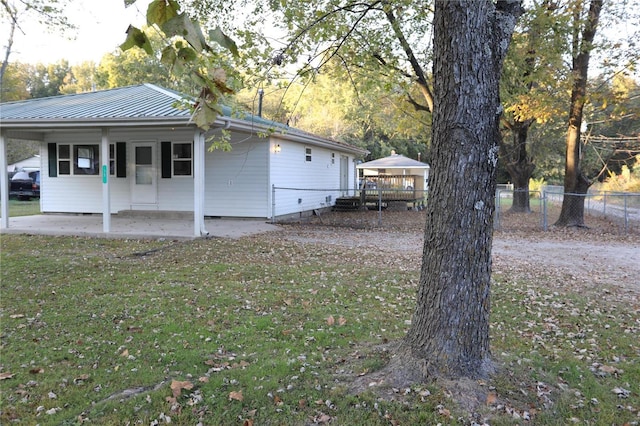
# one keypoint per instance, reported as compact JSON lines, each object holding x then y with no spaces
{"x":95,"y":123}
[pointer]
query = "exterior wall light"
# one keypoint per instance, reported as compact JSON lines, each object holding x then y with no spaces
{"x":277,"y":148}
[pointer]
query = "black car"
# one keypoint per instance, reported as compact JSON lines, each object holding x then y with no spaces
{"x":25,"y":185}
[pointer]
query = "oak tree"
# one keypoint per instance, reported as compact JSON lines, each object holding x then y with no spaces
{"x":449,"y":334}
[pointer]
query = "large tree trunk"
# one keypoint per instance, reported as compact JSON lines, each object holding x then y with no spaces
{"x":449,"y":335}
{"x":576,"y":183}
{"x":519,"y":166}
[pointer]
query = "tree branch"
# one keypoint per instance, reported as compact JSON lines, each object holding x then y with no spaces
{"x":415,"y":65}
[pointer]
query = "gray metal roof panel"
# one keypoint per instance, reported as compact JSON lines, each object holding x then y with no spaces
{"x":144,"y":104}
{"x":142,"y":101}
{"x":394,"y":161}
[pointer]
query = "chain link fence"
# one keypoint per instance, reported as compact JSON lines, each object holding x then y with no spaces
{"x":611,"y":212}
{"x":614,"y":212}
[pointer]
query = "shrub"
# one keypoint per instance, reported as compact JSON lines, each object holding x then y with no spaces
{"x":627,"y":181}
{"x":536,"y":186}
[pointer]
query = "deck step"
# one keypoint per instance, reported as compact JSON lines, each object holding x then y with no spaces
{"x":346,"y":203}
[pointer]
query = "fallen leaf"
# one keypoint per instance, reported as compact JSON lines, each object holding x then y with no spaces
{"x":621,"y":392}
{"x":236,"y":396}
{"x":342,"y":321}
{"x":36,"y":371}
{"x":177,"y":386}
{"x":81,"y":378}
{"x":16,"y":316}
{"x":609,"y":369}
{"x":5,"y":376}
{"x":125,"y":353}
{"x":492,"y":398}
{"x":331,"y":320}
{"x":322,"y":419}
{"x":248,"y":422}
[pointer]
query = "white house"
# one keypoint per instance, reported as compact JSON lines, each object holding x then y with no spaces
{"x":132,"y":148}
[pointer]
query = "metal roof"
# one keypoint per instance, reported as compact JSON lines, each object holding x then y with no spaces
{"x":142,"y":101}
{"x":394,"y":161}
{"x":143,"y":105}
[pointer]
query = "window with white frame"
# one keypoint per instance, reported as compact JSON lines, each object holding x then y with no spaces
{"x":79,"y":159}
{"x":112,"y":159}
{"x":307,"y":152}
{"x":64,"y":159}
{"x":86,"y":159}
{"x":182,"y":158}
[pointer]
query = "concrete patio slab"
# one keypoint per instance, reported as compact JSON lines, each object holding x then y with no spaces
{"x":143,"y":227}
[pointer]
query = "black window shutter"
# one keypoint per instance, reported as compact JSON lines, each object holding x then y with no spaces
{"x":121,"y":159}
{"x":53,"y":159}
{"x":166,"y":159}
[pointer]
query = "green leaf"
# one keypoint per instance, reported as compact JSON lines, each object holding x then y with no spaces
{"x":161,"y":11}
{"x":137,"y":38}
{"x":187,"y":54}
{"x":168,"y":56}
{"x":222,"y":142}
{"x":223,"y":40}
{"x":182,"y":26}
{"x":206,"y":114}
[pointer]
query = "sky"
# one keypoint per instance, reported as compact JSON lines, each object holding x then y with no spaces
{"x":102,"y":26}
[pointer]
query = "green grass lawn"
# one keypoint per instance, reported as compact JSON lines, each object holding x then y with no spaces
{"x":267,"y":331}
{"x":24,"y":208}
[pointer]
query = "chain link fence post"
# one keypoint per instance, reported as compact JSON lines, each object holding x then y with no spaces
{"x":543,"y":199}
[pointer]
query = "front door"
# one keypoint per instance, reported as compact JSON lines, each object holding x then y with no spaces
{"x":344,"y":174}
{"x":144,"y":183}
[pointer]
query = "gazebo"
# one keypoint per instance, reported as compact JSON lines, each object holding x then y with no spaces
{"x":391,"y":181}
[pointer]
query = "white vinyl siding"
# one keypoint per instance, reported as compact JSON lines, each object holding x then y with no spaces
{"x":311,"y":184}
{"x":237,"y":181}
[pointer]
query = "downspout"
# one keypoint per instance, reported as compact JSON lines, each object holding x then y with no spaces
{"x":355,"y":176}
{"x":4,"y":183}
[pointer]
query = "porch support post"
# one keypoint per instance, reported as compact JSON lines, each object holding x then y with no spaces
{"x":4,"y":183}
{"x":198,"y":184}
{"x":106,"y":193}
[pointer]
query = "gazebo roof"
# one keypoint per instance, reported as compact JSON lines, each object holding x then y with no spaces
{"x":394,"y":161}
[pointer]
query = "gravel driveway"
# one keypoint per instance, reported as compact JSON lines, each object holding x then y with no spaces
{"x":592,"y":258}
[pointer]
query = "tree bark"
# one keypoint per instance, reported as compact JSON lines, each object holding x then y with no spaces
{"x":576,"y":183}
{"x":449,"y":335}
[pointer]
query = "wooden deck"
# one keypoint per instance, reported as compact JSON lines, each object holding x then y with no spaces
{"x":398,"y":192}
{"x":374,"y":199}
